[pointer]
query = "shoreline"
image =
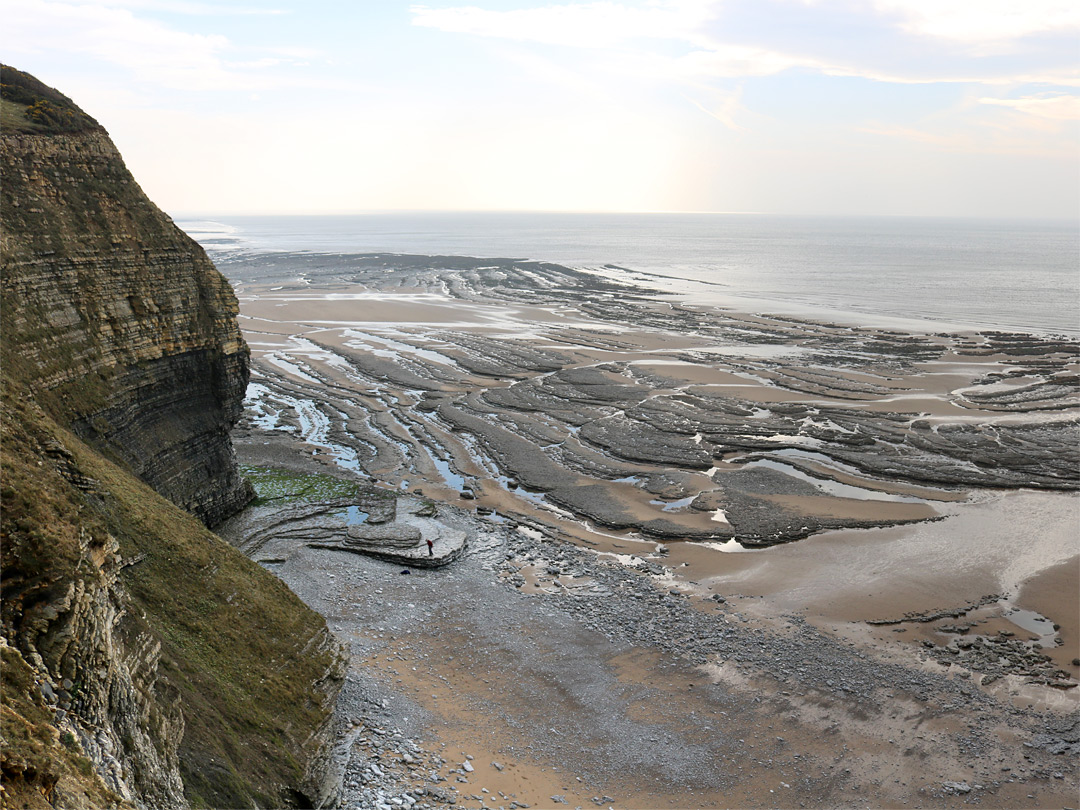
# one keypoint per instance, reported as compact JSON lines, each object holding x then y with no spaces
{"x":714,"y":296}
{"x":711,"y":296}
{"x":972,"y":254}
{"x":592,"y":415}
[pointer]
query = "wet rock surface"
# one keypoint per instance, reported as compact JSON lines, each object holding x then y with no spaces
{"x":600,"y":404}
{"x":620,"y":421}
{"x":395,"y":530}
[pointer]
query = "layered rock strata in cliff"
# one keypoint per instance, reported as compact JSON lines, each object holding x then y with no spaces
{"x":145,"y":662}
{"x":124,"y":326}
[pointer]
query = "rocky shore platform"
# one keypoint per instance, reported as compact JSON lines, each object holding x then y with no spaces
{"x":695,"y":557}
{"x":397,"y":530}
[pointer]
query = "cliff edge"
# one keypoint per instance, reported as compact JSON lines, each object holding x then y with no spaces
{"x":122,"y":326}
{"x":145,"y":662}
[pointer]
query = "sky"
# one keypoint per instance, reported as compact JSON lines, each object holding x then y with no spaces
{"x":822,"y":107}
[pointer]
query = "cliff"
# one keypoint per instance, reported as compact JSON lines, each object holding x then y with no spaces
{"x":145,"y":661}
{"x":124,"y":327}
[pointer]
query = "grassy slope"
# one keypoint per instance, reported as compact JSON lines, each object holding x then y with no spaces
{"x":39,"y":525}
{"x":30,"y":105}
{"x":240,"y":647}
{"x":13,"y":116}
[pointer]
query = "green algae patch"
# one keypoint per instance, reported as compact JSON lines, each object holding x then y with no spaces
{"x":278,"y":485}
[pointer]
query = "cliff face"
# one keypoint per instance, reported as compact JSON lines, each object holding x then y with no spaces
{"x":145,"y":661}
{"x":125,"y":328}
{"x":94,"y":693}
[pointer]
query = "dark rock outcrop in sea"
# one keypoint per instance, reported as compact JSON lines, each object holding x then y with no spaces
{"x":145,"y":661}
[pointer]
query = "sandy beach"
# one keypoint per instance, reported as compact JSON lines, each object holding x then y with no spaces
{"x":877,"y":501}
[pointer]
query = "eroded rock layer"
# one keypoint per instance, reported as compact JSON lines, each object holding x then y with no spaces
{"x":140,"y":651}
{"x":540,"y":390}
{"x":123,"y":325}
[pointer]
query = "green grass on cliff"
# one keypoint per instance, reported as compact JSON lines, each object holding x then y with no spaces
{"x":13,"y":117}
{"x":31,"y":105}
{"x":239,"y":650}
{"x":41,"y":559}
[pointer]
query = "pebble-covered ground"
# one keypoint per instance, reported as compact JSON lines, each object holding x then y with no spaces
{"x":486,"y":684}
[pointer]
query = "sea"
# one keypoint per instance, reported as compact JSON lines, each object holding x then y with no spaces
{"x":906,"y":272}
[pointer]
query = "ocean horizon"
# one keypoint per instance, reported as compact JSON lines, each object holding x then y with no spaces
{"x":913,"y":272}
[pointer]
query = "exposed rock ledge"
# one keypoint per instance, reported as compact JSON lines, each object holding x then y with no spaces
{"x":395,"y":529}
{"x":404,"y":543}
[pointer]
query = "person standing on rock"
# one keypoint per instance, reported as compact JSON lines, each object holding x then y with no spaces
{"x":430,"y":549}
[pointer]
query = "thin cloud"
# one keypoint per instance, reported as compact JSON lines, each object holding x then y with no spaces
{"x":117,"y":36}
{"x":553,"y":72}
{"x":606,"y":25}
{"x":1055,"y":108}
{"x":733,"y":61}
{"x":192,"y":8}
{"x":589,"y":25}
{"x":154,"y":52}
{"x":1061,"y":78}
{"x":982,"y":21}
{"x":1002,"y":141}
{"x":724,"y":108}
{"x":951,"y":142}
{"x":652,"y":35}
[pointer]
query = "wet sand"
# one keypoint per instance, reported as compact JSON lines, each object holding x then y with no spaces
{"x":859,"y":476}
{"x":1053,"y":593}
